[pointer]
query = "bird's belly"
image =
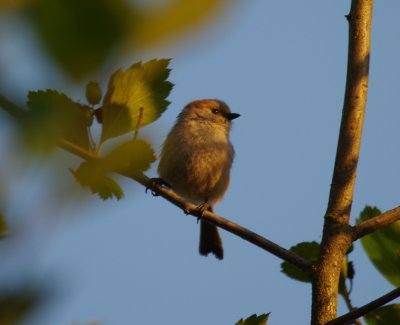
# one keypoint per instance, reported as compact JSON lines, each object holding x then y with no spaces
{"x":204,"y":176}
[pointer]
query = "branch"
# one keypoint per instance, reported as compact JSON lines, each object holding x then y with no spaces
{"x":351,"y":316}
{"x":337,"y":234}
{"x":366,"y":227}
{"x":219,"y":221}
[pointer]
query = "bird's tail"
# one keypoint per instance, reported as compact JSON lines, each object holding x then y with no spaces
{"x":210,"y":240}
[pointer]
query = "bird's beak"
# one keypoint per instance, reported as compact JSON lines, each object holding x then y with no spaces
{"x":232,"y":116}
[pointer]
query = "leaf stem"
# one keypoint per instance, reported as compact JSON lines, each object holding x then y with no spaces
{"x":139,"y":121}
{"x":76,"y":150}
{"x":346,"y":297}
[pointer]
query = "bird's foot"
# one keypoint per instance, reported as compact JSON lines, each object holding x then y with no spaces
{"x":200,"y":209}
{"x":156,"y":181}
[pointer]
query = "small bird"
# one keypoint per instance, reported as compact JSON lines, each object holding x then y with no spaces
{"x":196,"y":160}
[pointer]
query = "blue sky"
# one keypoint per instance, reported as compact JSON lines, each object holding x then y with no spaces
{"x":282,"y":66}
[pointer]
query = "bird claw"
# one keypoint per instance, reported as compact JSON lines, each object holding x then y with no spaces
{"x":157,"y":181}
{"x":200,"y":209}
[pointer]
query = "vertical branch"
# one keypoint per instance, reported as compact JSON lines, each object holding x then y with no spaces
{"x":337,"y":237}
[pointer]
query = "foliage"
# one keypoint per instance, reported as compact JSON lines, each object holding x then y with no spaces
{"x":80,"y":36}
{"x":90,"y":30}
{"x":134,"y":98}
{"x":387,"y":315}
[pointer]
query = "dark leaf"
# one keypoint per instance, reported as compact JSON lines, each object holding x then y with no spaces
{"x":53,"y":115}
{"x":254,"y":320}
{"x":80,"y":34}
{"x":17,"y":304}
{"x":350,"y":270}
{"x":308,"y":250}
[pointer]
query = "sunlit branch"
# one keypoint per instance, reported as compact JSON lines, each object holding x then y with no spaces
{"x":366,"y":227}
{"x":351,"y":316}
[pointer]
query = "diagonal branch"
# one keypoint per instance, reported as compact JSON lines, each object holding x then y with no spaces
{"x":213,"y":218}
{"x":376,"y":223}
{"x":228,"y":225}
{"x":379,"y":302}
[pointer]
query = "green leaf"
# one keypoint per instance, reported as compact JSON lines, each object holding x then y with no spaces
{"x":307,"y":250}
{"x":130,"y":157}
{"x":3,"y":226}
{"x":254,"y":320}
{"x":53,"y":115}
{"x":92,"y":174}
{"x":387,"y":315}
{"x":80,"y":35}
{"x":383,"y":247}
{"x":127,"y":158}
{"x":135,"y":97}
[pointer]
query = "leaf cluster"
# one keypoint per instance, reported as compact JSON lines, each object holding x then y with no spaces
{"x":135,"y":97}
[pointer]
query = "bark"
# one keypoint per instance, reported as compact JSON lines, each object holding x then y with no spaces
{"x":337,"y":234}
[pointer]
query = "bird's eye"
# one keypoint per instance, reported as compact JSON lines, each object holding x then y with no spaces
{"x":215,"y":110}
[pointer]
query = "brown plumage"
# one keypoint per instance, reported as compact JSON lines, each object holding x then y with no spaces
{"x":196,"y":159}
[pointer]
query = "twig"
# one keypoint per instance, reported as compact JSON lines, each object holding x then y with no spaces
{"x":337,"y":234}
{"x":366,"y":227}
{"x":346,"y":296}
{"x":351,"y":316}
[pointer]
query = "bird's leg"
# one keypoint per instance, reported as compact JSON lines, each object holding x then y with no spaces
{"x":201,"y":209}
{"x":157,"y":181}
